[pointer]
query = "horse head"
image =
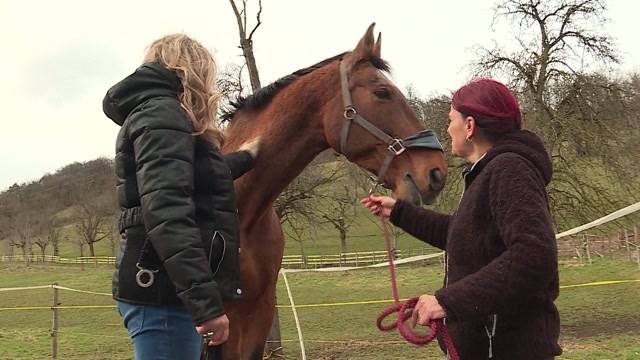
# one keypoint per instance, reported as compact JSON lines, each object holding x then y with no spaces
{"x":371,"y":123}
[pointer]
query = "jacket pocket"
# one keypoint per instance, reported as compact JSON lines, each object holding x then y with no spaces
{"x":216,"y":251}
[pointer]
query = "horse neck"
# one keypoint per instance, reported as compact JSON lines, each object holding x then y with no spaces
{"x":292,"y":134}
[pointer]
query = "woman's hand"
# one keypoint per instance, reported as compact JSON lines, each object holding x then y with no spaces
{"x":379,"y":205}
{"x":218,"y":326}
{"x":428,"y":308}
{"x":251,"y":146}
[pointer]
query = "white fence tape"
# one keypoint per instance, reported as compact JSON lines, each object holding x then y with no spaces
{"x":295,"y":317}
{"x":603,"y":220}
{"x":382,"y":264}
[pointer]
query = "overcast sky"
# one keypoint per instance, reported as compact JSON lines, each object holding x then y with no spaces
{"x":59,"y":57}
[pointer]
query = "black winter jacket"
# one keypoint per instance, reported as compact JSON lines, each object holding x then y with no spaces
{"x":502,"y":268}
{"x":175,"y":190}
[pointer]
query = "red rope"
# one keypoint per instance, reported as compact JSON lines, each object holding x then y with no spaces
{"x":405,"y":311}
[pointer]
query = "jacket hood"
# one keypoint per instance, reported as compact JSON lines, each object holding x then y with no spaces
{"x":528,"y":145}
{"x":148,"y":81}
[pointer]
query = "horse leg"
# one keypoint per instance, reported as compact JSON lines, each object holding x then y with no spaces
{"x":249,"y":328}
{"x":257,"y":330}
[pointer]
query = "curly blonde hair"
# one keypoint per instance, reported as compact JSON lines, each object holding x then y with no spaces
{"x":195,"y":67}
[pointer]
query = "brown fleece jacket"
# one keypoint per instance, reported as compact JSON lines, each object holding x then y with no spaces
{"x":502,"y":270}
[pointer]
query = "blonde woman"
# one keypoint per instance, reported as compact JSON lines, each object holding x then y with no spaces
{"x":179,"y":249}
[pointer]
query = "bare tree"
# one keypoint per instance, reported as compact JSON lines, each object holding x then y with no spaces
{"x":92,"y":225}
{"x":297,"y":228}
{"x":231,"y":85}
{"x":23,"y":229}
{"x":49,"y":233}
{"x":304,"y":195}
{"x":114,"y":236}
{"x":42,"y":242}
{"x":557,"y":40}
{"x":246,"y":39}
{"x":54,"y":234}
{"x":340,"y":212}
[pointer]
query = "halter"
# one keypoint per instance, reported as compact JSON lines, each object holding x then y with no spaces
{"x":423,"y":139}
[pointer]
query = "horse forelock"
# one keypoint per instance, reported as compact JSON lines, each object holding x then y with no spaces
{"x":264,"y":95}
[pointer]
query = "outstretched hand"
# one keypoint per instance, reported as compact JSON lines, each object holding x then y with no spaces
{"x":379,"y":205}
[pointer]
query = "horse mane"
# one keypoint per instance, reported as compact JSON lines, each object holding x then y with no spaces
{"x":264,"y":95}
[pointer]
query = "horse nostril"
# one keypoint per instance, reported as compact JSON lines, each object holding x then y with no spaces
{"x":437,"y":183}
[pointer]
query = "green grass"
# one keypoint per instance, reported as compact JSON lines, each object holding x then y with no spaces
{"x":364,"y":235}
{"x":84,"y":333}
{"x":600,"y":322}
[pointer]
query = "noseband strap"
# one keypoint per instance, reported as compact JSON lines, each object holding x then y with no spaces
{"x":395,"y":146}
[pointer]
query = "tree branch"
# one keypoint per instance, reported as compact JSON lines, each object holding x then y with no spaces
{"x":258,"y":19}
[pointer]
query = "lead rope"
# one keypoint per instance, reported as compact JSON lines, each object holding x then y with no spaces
{"x":405,"y":311}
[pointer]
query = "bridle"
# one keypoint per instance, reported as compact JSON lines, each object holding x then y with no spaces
{"x":395,"y":146}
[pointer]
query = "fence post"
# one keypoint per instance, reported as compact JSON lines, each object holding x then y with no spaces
{"x":585,"y":239}
{"x":635,"y":240}
{"x":54,"y":323}
{"x":273,"y":347}
{"x":578,"y":253}
{"x":620,"y":240}
{"x":626,"y":243}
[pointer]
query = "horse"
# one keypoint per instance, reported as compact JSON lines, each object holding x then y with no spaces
{"x":347,"y":103}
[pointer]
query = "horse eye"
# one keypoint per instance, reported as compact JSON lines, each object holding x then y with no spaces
{"x":382,"y":94}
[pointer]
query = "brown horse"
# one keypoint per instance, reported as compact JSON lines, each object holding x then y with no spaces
{"x":346,"y":103}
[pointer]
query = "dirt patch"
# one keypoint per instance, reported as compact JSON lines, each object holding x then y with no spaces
{"x":602,"y":327}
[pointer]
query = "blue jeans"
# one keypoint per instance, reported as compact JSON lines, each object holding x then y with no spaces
{"x":161,"y":332}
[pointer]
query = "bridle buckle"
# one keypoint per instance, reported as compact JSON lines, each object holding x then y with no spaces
{"x":396,"y":147}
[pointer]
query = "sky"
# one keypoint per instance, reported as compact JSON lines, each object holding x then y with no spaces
{"x":60,"y":57}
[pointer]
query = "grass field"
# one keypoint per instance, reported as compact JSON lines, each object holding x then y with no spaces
{"x":599,"y":322}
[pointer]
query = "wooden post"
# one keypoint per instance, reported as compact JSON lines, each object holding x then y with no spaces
{"x":578,"y":252}
{"x":585,"y":239}
{"x":620,"y":240}
{"x":635,"y":240}
{"x":273,"y":347}
{"x":54,"y":324}
{"x":626,"y":243}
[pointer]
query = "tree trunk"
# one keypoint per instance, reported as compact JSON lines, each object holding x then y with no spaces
{"x":303,"y":257}
{"x":343,"y":241}
{"x":247,"y":51}
{"x":91,"y":250}
{"x":56,"y":248}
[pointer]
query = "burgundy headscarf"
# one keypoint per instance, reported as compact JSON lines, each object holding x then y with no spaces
{"x":491,"y":104}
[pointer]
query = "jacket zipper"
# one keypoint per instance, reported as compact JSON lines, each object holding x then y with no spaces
{"x":491,"y":334}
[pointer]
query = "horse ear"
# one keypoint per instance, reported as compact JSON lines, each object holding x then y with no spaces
{"x":377,"y":47}
{"x":365,"y":46}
